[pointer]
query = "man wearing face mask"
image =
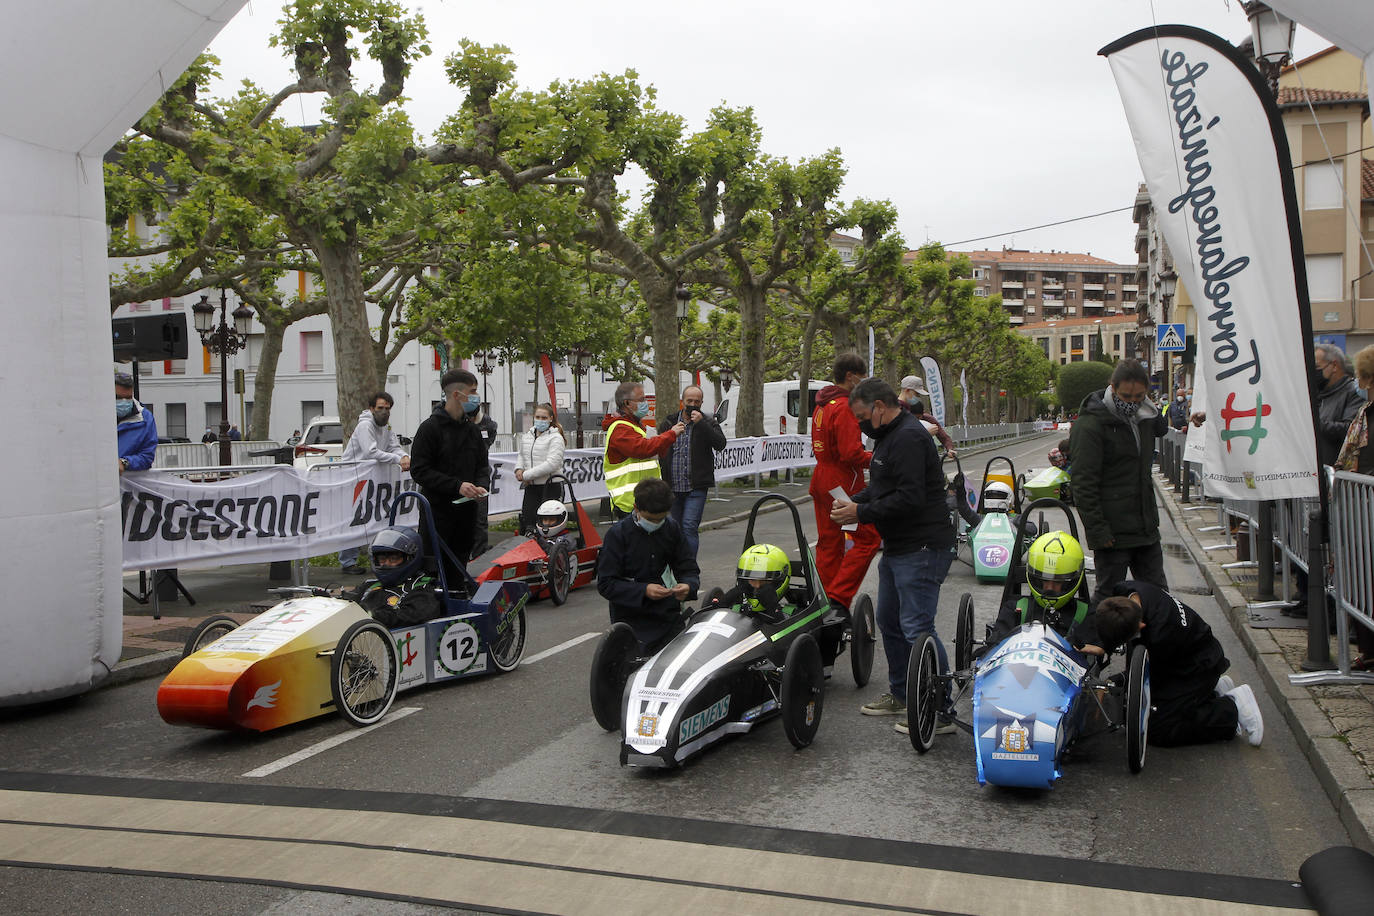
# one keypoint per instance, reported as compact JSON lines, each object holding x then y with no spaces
{"x":1113,"y":443}
{"x":1178,"y":410}
{"x":910,"y":398}
{"x":372,"y":440}
{"x":690,"y":465}
{"x":645,"y":569}
{"x":135,"y":428}
{"x":448,"y":459}
{"x":631,"y":453}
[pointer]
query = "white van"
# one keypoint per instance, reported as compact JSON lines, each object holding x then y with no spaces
{"x":782,"y":406}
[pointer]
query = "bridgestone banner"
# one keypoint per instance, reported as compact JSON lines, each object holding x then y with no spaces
{"x":280,"y":513}
{"x":1217,"y":165}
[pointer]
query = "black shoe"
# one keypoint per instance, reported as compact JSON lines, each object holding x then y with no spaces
{"x":1297,"y":610}
{"x":355,"y":570}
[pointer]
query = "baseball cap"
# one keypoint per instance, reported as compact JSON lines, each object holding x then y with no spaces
{"x":124,"y":380}
{"x":915,"y":385}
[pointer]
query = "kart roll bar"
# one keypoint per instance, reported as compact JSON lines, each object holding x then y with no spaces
{"x":1015,"y":572}
{"x":427,"y":519}
{"x":813,"y":585}
{"x":1015,"y":490}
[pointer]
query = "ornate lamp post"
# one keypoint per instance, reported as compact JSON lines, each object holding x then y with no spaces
{"x":579,"y":357}
{"x":1168,"y":282}
{"x":684,"y":298}
{"x":727,"y":378}
{"x":222,"y":340}
{"x":486,"y":364}
{"x":1272,"y":34}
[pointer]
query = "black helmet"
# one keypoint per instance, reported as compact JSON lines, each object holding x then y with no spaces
{"x":386,"y":545}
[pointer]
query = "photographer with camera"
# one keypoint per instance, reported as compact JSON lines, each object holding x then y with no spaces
{"x":690,"y":465}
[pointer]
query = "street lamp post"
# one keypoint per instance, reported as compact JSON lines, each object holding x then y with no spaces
{"x":684,"y":297}
{"x":1272,"y":35}
{"x":222,"y":340}
{"x":727,"y":378}
{"x":1168,"y":282}
{"x":486,"y":364}
{"x":579,"y":368}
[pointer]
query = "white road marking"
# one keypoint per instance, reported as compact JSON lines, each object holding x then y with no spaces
{"x":394,"y":715}
{"x":540,"y":656}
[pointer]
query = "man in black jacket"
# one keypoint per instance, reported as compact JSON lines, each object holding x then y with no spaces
{"x":690,"y":465}
{"x":1338,"y":400}
{"x":1192,"y":700}
{"x":905,"y":501}
{"x":448,"y":459}
{"x":645,"y":569}
{"x":1113,"y":443}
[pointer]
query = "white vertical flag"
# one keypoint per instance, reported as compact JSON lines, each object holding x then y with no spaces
{"x":936,"y":386}
{"x":963,"y":387}
{"x":1216,"y":162}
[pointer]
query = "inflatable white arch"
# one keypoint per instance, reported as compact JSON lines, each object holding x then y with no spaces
{"x":77,"y":74}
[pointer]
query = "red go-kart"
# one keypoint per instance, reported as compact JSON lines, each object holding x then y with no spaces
{"x":551,"y":567}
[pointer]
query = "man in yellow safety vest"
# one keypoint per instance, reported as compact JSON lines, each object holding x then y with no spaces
{"x":631,"y":452}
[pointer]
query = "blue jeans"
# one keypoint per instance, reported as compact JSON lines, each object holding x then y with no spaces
{"x":686,"y":511}
{"x":349,"y":556}
{"x":908,"y":597}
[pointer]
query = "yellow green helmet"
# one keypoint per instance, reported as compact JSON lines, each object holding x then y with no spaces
{"x":1054,"y":569}
{"x":764,"y":563}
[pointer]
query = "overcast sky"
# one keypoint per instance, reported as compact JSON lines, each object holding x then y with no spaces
{"x":974,"y":118}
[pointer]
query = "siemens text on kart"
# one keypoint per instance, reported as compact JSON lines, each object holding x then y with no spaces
{"x":448,"y":459}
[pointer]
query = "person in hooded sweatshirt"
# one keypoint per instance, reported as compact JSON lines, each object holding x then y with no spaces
{"x":448,"y":459}
{"x":135,"y":428}
{"x":1113,"y":443}
{"x":840,"y":462}
{"x":372,"y":440}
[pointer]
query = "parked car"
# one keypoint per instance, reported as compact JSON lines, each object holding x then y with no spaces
{"x":323,"y":440}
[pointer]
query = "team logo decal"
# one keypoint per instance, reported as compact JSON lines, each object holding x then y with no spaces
{"x":993,"y":555}
{"x":266,"y":697}
{"x":1015,"y":738}
{"x":648,"y":726}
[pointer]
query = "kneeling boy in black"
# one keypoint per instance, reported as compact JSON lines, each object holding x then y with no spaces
{"x":1194,"y":702}
{"x":640,"y":552}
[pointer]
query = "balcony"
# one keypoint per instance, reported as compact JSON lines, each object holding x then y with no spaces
{"x":1093,"y":302}
{"x":1092,"y":285}
{"x":1130,"y":288}
{"x":1010,"y":303}
{"x":1016,"y":283}
{"x":1051,"y":283}
{"x":1015,"y":319}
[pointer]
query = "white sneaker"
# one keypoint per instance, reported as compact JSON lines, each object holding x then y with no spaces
{"x":941,"y":728}
{"x":1225,"y":685}
{"x":1249,"y":721}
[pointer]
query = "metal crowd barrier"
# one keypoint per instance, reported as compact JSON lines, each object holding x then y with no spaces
{"x":177,"y":455}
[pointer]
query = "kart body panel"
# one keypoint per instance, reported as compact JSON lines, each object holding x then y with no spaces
{"x":1026,"y":707}
{"x":274,"y":670}
{"x":991,"y":542}
{"x":1051,"y":483}
{"x":716,"y":678}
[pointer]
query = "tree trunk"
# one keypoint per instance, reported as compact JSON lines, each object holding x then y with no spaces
{"x":355,"y":358}
{"x":265,"y":379}
{"x":663,"y":314}
{"x":807,"y":396}
{"x":753,"y":317}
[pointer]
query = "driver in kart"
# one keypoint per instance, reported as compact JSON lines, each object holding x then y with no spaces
{"x":646,"y":569}
{"x":403,"y":594}
{"x":551,"y":520}
{"x":1054,"y":571}
{"x":761,"y":578}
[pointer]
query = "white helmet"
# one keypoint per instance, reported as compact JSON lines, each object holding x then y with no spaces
{"x":997,"y":497}
{"x":552,"y":518}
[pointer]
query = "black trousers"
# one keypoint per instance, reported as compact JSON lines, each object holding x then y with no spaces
{"x":1146,"y":564}
{"x":457,"y":530}
{"x":535,"y":493}
{"x":1196,"y":717}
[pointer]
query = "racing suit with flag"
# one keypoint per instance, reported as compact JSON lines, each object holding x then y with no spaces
{"x":840,"y":462}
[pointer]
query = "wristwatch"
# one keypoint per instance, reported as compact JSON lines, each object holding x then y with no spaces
{"x":124,"y":463}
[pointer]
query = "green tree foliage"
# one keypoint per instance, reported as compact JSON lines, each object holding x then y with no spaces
{"x":1078,"y":380}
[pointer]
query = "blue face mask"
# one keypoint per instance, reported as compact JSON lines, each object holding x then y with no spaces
{"x":472,"y":403}
{"x":123,"y":407}
{"x":541,"y":426}
{"x":647,"y":525}
{"x":642,"y":409}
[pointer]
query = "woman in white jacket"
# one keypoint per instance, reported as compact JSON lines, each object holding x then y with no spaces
{"x":541,"y":456}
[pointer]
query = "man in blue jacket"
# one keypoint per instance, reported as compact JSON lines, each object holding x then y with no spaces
{"x":905,"y":501}
{"x":135,"y":427}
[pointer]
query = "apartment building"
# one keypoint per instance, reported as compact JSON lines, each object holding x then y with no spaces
{"x":1038,"y":286}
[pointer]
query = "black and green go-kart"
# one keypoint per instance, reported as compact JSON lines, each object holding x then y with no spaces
{"x":729,"y":670}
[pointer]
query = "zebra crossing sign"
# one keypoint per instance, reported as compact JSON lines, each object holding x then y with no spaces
{"x":1171,"y":338}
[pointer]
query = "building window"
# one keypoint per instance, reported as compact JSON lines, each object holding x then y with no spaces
{"x":312,"y":352}
{"x":1130,"y":342}
{"x":981,"y":292}
{"x":310,"y":410}
{"x":1111,"y":278}
{"x":1116,"y":343}
{"x":1071,"y":277}
{"x":1044,"y":345}
{"x":1030,"y":294}
{"x":1070,"y":294}
{"x":1063,"y":345}
{"x":176,"y":420}
{"x":977,"y":273}
{"x":1324,"y":277}
{"x":1321,"y":187}
{"x":1111,"y":294}
{"x":1030,"y":275}
{"x":212,"y":415}
{"x":1078,"y":341}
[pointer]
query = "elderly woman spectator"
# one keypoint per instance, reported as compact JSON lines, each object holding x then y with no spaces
{"x":1357,"y":455}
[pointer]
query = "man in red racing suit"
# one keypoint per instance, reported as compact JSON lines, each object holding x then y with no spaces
{"x":840,"y":462}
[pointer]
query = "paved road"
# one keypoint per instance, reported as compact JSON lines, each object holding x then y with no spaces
{"x":503,"y":792}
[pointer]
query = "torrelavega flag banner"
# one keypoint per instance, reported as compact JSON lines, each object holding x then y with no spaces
{"x":1218,"y":169}
{"x":280,"y":513}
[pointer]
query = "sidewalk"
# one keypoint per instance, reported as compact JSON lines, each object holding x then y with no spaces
{"x":1334,"y":726}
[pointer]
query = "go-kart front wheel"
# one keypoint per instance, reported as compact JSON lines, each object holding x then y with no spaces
{"x":924,"y":693}
{"x":363,"y":673}
{"x":210,"y":629}
{"x":861,"y":639}
{"x":559,"y":572}
{"x":611,"y":668}
{"x":509,"y":645}
{"x":963,"y":634}
{"x":803,"y":691}
{"x":1137,"y":707}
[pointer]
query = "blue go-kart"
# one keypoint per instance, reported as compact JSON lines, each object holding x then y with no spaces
{"x":1034,"y":695}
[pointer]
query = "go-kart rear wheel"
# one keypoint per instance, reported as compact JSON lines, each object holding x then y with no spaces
{"x":862,"y":639}
{"x":559,"y":572}
{"x":963,"y":634}
{"x":924,"y":693}
{"x":210,"y":629}
{"x":803,"y":691}
{"x":363,"y":673}
{"x":509,"y":645}
{"x":1137,"y":708}
{"x":611,"y":668}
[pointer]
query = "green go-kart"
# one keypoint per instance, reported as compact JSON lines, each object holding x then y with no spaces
{"x":991,"y":541}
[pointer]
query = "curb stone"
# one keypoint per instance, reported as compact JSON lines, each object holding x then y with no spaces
{"x":1341,"y":774}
